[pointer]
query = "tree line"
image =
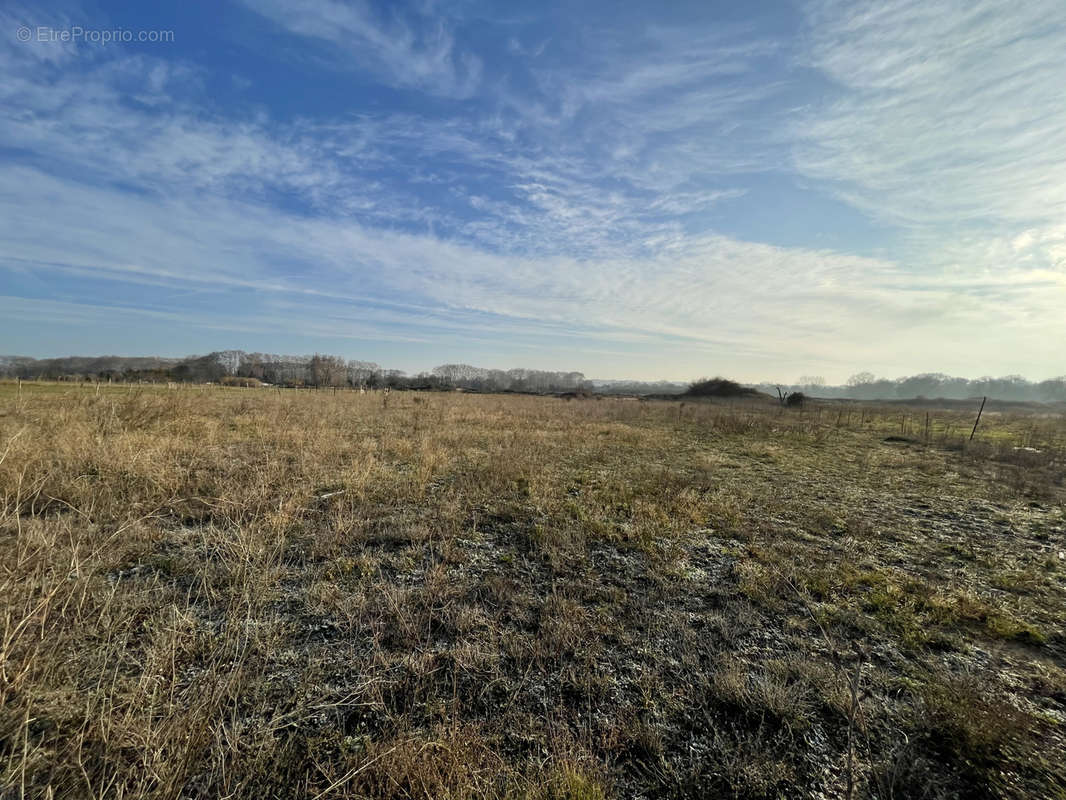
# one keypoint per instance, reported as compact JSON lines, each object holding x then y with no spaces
{"x":931,"y":386}
{"x":318,"y":370}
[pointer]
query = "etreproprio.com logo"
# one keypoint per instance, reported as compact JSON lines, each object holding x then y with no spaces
{"x":76,"y":34}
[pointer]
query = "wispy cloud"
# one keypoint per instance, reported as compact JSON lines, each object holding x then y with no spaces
{"x":409,"y":50}
{"x":948,"y":113}
{"x":712,"y":295}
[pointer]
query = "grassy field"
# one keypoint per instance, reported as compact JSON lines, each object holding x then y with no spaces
{"x":214,"y":592}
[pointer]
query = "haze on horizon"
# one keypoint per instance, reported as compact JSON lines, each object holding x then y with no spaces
{"x":758,"y":190}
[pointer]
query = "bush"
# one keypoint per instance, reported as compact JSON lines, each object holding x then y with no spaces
{"x":234,"y":380}
{"x":718,"y":387}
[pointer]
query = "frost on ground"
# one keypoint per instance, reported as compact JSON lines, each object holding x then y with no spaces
{"x":233,"y":592}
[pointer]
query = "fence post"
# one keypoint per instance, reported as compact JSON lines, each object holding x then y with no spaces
{"x":982,"y":408}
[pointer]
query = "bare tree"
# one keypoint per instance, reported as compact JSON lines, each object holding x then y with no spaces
{"x":327,"y":370}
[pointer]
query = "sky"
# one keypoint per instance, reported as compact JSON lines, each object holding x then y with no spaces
{"x":657,"y":191}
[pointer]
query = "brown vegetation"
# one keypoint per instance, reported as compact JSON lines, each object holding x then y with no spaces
{"x":216,"y":592}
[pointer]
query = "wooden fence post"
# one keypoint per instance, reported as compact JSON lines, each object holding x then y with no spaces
{"x":982,"y":408}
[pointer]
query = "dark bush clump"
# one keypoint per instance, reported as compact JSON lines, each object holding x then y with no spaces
{"x":718,"y":387}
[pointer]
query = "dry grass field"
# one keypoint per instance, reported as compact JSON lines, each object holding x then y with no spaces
{"x":212,"y":592}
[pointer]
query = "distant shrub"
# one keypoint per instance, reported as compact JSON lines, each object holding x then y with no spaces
{"x":718,"y":387}
{"x":791,"y":399}
{"x":234,"y":380}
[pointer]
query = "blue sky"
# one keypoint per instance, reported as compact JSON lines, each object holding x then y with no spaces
{"x":761,"y":190}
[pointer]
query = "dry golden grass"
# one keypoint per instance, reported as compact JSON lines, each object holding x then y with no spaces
{"x":238,"y":592}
